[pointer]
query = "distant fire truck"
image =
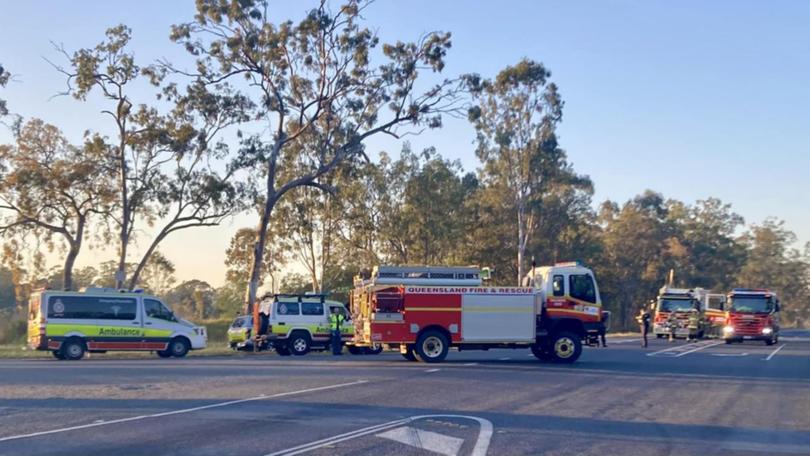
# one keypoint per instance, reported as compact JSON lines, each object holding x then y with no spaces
{"x":681,"y":302}
{"x":752,"y":314}
{"x":424,"y":311}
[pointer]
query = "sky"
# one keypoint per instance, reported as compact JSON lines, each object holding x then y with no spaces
{"x":692,"y":99}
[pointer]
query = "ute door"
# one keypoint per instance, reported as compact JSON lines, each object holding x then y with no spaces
{"x":159,"y":323}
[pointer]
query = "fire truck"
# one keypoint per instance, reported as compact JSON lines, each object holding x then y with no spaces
{"x":678,"y":303}
{"x":424,"y":311}
{"x":752,"y":314}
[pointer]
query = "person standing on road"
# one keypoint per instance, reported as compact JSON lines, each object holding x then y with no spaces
{"x":672,"y":324}
{"x":603,"y":327}
{"x":694,"y":326}
{"x":643,"y":320}
{"x":335,"y":322}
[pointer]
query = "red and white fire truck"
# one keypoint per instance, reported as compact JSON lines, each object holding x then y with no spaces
{"x":424,"y":311}
{"x":752,"y":314}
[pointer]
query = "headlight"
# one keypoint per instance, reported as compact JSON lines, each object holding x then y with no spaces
{"x":767,"y":331}
{"x":728,"y":329}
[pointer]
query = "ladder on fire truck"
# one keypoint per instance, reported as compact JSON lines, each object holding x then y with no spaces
{"x":424,"y":275}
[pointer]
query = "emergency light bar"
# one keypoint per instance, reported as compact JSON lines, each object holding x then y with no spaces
{"x":569,"y":264}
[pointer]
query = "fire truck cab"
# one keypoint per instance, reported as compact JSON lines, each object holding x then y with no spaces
{"x":752,"y":314}
{"x":672,"y":310}
{"x":424,"y":311}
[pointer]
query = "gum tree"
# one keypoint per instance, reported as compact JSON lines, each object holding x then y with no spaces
{"x":317,"y":93}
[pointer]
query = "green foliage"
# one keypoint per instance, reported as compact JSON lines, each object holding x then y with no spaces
{"x":4,"y":78}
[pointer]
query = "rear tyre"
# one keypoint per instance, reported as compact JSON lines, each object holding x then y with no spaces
{"x":164,"y":353}
{"x":299,"y":344}
{"x":355,"y":350}
{"x":282,"y":351}
{"x":409,"y":354}
{"x":73,"y":349}
{"x":540,"y":352}
{"x":566,"y":347}
{"x":178,"y":347}
{"x":58,"y":355}
{"x":432,"y":347}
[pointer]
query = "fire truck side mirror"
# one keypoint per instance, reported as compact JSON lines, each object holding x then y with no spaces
{"x":486,"y":273}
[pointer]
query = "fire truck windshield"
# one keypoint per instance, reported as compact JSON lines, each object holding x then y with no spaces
{"x":751,"y":304}
{"x":674,"y":305}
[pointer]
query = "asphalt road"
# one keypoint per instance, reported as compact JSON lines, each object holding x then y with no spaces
{"x":670,"y":399}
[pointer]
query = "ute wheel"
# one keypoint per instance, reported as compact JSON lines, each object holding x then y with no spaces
{"x":540,"y":352}
{"x":432,"y":347}
{"x":566,"y":347}
{"x":299,"y":344}
{"x":57,"y":354}
{"x":409,"y":354}
{"x":73,"y":349}
{"x":178,"y":347}
{"x":164,"y":353}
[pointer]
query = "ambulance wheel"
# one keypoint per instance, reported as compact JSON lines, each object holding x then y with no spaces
{"x":73,"y":349}
{"x":409,"y":354}
{"x":541,"y":352}
{"x":566,"y":347}
{"x":164,"y":353}
{"x":432,"y":347}
{"x":178,"y":347}
{"x":299,"y":344}
{"x":57,"y":354}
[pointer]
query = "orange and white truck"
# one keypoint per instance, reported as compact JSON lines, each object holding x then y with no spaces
{"x":424,"y":311}
{"x":752,"y":314}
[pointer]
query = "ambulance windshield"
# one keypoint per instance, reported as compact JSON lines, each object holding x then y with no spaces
{"x":751,"y":304}
{"x":674,"y":305}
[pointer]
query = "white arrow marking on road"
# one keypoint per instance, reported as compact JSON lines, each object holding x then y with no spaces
{"x":425,"y":440}
{"x":729,"y":354}
{"x":775,"y":352}
{"x":480,"y":449}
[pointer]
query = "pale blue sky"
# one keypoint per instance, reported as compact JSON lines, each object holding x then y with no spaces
{"x":692,"y":98}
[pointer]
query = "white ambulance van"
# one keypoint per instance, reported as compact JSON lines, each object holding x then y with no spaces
{"x":96,"y":320}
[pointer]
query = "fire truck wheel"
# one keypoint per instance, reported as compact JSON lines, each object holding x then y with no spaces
{"x":409,"y":354}
{"x":770,"y":341}
{"x":375,"y":350}
{"x":729,"y":341}
{"x":299,"y":344}
{"x":566,"y":347}
{"x":432,"y":347}
{"x":354,"y":350}
{"x":541,"y":352}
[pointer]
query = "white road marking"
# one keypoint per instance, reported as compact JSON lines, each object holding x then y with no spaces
{"x":623,"y":341}
{"x":505,"y":358}
{"x":702,"y":347}
{"x":480,"y":449}
{"x":424,"y":440}
{"x":470,"y":364}
{"x":178,"y":412}
{"x":773,"y":353}
{"x":430,"y":371}
{"x":729,"y":354}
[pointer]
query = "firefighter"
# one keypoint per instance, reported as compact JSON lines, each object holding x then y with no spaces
{"x":672,"y":323}
{"x":694,"y":325}
{"x":643,"y":320}
{"x":335,"y":322}
{"x":603,"y":328}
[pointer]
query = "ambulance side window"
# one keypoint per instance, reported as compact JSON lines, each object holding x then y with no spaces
{"x":284,"y":309}
{"x":311,"y":308}
{"x":155,"y":309}
{"x":558,"y":285}
{"x":581,"y":287}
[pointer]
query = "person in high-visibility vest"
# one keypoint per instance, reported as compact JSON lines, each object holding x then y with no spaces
{"x":335,"y":322}
{"x":694,"y":325}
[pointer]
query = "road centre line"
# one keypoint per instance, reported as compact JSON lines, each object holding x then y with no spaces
{"x":480,"y":449}
{"x":182,"y":411}
{"x":773,"y":353}
{"x":430,"y":371}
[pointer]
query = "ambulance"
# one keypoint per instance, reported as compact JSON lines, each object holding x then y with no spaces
{"x":96,"y":320}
